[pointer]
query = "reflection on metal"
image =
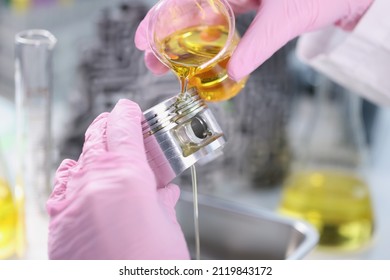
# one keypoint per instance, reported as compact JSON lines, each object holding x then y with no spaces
{"x":232,"y":231}
{"x":179,"y":133}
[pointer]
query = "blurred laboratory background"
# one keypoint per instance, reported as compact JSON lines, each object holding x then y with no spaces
{"x":292,"y":135}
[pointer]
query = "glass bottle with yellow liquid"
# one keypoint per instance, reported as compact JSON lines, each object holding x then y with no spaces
{"x":8,"y":215}
{"x":326,"y":186}
{"x":195,"y":39}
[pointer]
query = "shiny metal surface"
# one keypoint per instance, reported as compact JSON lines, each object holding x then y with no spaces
{"x":178,"y":133}
{"x":232,"y":231}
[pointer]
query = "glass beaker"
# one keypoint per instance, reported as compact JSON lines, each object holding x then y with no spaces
{"x":33,"y":94}
{"x":195,"y":39}
{"x":326,"y":186}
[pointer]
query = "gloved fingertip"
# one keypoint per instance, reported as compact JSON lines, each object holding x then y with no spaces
{"x":67,"y":164}
{"x":244,"y":60}
{"x":140,"y":39}
{"x":100,"y":117}
{"x":95,"y":139}
{"x":154,"y":64}
{"x":63,"y":170}
{"x":96,"y":125}
{"x":128,"y":105}
{"x":170,"y":194}
{"x":233,"y":73}
{"x":237,"y":73}
{"x":124,"y":130}
{"x":57,"y":196}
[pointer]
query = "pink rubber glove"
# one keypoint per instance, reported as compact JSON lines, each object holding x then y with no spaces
{"x":106,"y":205}
{"x":276,"y":23}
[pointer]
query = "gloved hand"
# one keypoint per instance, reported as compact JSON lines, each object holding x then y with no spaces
{"x":276,"y":23}
{"x":106,"y":205}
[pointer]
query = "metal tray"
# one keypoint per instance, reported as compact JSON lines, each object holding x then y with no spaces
{"x":233,"y":231}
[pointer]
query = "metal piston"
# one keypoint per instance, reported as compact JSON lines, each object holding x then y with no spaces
{"x":178,"y":133}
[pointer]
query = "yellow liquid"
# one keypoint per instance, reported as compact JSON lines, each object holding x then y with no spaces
{"x":8,"y":220}
{"x":19,"y":201}
{"x":337,"y":204}
{"x":188,"y":49}
{"x":196,"y":211}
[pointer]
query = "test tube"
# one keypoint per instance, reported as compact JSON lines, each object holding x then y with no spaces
{"x":33,"y":93}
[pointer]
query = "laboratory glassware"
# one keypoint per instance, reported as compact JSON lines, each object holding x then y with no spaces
{"x":33,"y":86}
{"x":195,"y":39}
{"x":327,"y":185}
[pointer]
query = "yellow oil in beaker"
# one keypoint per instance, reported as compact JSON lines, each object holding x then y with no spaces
{"x":338,"y":204}
{"x":187,"y":49}
{"x":8,"y":221}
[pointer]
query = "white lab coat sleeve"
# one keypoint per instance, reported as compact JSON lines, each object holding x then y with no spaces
{"x":358,"y":60}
